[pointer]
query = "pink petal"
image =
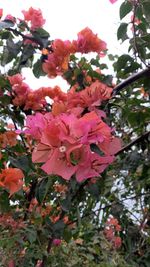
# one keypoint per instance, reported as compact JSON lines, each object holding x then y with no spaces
{"x":59,"y":166}
{"x":111,"y":148}
{"x":41,"y":153}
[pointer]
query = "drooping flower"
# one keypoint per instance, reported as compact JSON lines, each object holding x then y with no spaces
{"x":11,"y":179}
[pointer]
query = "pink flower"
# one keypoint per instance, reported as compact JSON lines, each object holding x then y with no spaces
{"x":64,"y":144}
{"x":10,"y":17}
{"x":117,"y":242}
{"x":56,"y":242}
{"x":1,"y":12}
{"x":35,"y":125}
{"x":35,"y":17}
{"x":16,"y":79}
{"x":111,"y":147}
{"x":91,"y":96}
{"x":94,"y":165}
{"x":89,"y":42}
{"x":113,"y":1}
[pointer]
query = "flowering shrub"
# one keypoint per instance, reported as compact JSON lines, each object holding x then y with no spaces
{"x":71,"y":161}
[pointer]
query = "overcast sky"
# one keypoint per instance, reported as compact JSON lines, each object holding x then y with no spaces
{"x":65,"y":18}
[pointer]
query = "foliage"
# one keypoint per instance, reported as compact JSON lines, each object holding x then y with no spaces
{"x":74,"y":171}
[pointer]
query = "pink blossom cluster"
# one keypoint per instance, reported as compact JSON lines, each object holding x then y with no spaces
{"x":111,"y":232}
{"x":63,"y":144}
{"x":27,"y":98}
{"x":59,"y":55}
{"x":35,"y":17}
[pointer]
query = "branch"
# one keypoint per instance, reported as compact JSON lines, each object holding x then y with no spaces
{"x":25,"y":37}
{"x":130,"y":80}
{"x":137,"y":140}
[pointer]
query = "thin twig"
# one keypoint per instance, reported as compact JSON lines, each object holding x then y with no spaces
{"x":25,"y":37}
{"x":136,"y":141}
{"x":130,"y":80}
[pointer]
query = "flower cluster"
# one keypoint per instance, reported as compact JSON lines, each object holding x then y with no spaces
{"x":27,"y":98}
{"x":58,"y":58}
{"x":111,"y":232}
{"x":8,"y":138}
{"x":7,"y":221}
{"x":35,"y":18}
{"x":63,"y":144}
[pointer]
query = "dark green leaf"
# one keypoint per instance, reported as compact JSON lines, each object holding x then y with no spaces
{"x":146,"y":9}
{"x":37,"y":69}
{"x":42,"y":189}
{"x":31,"y":234}
{"x":59,"y":227}
{"x":22,"y":163}
{"x":122,"y":32}
{"x":13,"y":48}
{"x":125,"y":8}
{"x":4,"y":202}
{"x":27,"y":54}
{"x":96,"y":149}
{"x":41,"y":32}
{"x":66,"y":204}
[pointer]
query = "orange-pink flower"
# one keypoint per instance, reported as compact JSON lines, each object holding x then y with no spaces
{"x":89,"y":42}
{"x":11,"y":179}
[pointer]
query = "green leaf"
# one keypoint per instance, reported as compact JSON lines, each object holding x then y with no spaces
{"x":37,"y":69}
{"x":122,"y":62}
{"x":66,"y":204}
{"x":22,"y":162}
{"x":41,"y":33}
{"x":27,"y":54}
{"x":4,"y":202}
{"x":42,"y":189}
{"x":41,"y":36}
{"x":6,"y":24}
{"x":59,"y":227}
{"x":146,"y":10}
{"x":125,"y":9}
{"x":13,"y":48}
{"x":96,"y":149}
{"x":5,"y":34}
{"x":5,"y":100}
{"x":122,"y":32}
{"x":31,"y":234}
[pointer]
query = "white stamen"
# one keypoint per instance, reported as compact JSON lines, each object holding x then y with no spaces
{"x":62,"y":149}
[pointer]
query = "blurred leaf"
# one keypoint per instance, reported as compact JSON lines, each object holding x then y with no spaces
{"x":4,"y":202}
{"x":6,"y":24}
{"x":146,"y":9}
{"x":122,"y":32}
